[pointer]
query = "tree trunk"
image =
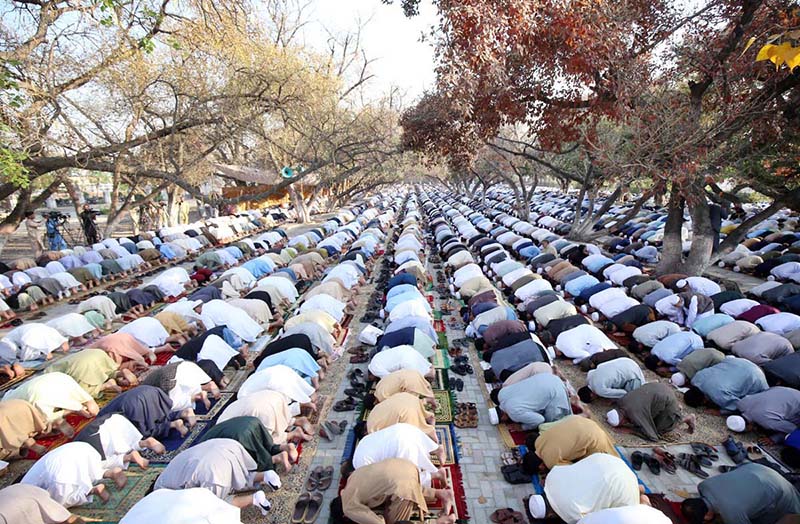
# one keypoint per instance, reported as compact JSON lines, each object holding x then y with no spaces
{"x":672,"y":250}
{"x":74,"y":195}
{"x":172,"y":206}
{"x":702,"y":238}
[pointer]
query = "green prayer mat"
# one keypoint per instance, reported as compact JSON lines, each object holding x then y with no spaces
{"x":441,"y":360}
{"x":444,"y":406}
{"x":122,"y":500}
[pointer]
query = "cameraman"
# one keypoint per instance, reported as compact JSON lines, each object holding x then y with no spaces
{"x":54,"y":238}
{"x":89,"y":227}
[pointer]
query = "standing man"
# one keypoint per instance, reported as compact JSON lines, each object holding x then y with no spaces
{"x":34,"y":227}
{"x":183,"y":212}
{"x":89,"y":227}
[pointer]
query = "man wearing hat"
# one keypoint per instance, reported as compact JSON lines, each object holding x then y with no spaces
{"x":651,"y":410}
{"x":598,"y":482}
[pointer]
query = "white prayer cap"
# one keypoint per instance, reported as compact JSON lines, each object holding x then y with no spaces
{"x":452,"y":288}
{"x":489,"y":273}
{"x":678,"y":380}
{"x":584,"y":309}
{"x":771,"y":278}
{"x":452,"y":279}
{"x":531,"y":326}
{"x":595,"y":316}
{"x":721,"y":264}
{"x":613,"y":417}
{"x":494,"y":416}
{"x":485,"y":267}
{"x":736,"y":269}
{"x":537,"y":507}
{"x":736,"y":423}
{"x":382,"y":313}
{"x":539,"y":270}
{"x":558,"y":287}
{"x":680,"y":284}
{"x":458,"y":295}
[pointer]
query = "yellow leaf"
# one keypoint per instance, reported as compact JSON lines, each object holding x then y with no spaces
{"x":749,"y":43}
{"x":766,"y":52}
{"x":783,"y":53}
{"x":795,"y":60}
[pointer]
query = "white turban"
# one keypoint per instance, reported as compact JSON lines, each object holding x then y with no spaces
{"x":537,"y":507}
{"x":613,"y":418}
{"x":680,"y":284}
{"x":678,"y":380}
{"x":736,"y":423}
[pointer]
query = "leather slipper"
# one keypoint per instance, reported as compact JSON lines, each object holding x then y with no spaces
{"x":313,"y":508}
{"x":325,"y":478}
{"x":300,"y":509}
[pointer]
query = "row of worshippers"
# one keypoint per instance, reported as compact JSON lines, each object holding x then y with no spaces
{"x":36,"y":341}
{"x":651,"y":409}
{"x":27,"y":283}
{"x":262,"y":428}
{"x":587,"y":482}
{"x":391,"y":472}
{"x":770,"y":249}
{"x":162,"y":401}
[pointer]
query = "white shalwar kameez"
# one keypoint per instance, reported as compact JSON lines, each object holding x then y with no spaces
{"x":147,"y":330}
{"x":325,"y":303}
{"x":189,"y":380}
{"x":118,"y":438}
{"x":171,"y":282}
{"x":182,"y":506}
{"x":219,"y":313}
{"x":598,"y":482}
{"x":71,"y":325}
{"x":34,"y":341}
{"x":68,"y":473}
{"x":397,"y":358}
{"x":282,"y":379}
{"x":402,"y":441}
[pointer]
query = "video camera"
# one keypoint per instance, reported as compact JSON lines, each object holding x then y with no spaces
{"x":56,"y":216}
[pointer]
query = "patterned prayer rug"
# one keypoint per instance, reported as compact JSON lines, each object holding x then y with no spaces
{"x":512,"y":435}
{"x":139,"y":484}
{"x":76,"y":421}
{"x":163,"y":357}
{"x":217,"y":405}
{"x":175,"y":444}
{"x":444,"y":406}
{"x":441,"y":380}
{"x":8,"y":383}
{"x":454,"y":481}
{"x":342,"y":336}
{"x":440,"y":359}
{"x":448,"y":441}
{"x":236,"y":378}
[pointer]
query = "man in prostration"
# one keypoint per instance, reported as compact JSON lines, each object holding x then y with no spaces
{"x":751,"y":493}
{"x":598,"y":482}
{"x":613,"y":379}
{"x":533,"y":401}
{"x":391,"y":485}
{"x":566,"y":441}
{"x":652,"y":410}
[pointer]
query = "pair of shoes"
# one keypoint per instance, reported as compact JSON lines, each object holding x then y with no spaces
{"x":348,"y":404}
{"x":653,"y":464}
{"x":331,"y":428}
{"x":462,"y":369}
{"x":735,"y":450}
{"x":307,"y":508}
{"x":458,"y":384}
{"x":320,"y":478}
{"x":692,"y":464}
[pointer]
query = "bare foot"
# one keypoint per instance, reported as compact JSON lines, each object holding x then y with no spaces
{"x":283,"y":458}
{"x":119,"y":478}
{"x":180,"y":426}
{"x":446,"y":519}
{"x":293,"y":454}
{"x":38,"y":449}
{"x":139,"y":460}
{"x":690,"y":422}
{"x":446,"y":498}
{"x":101,"y":491}
{"x":154,"y":445}
{"x":65,"y":428}
{"x":439,"y":475}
